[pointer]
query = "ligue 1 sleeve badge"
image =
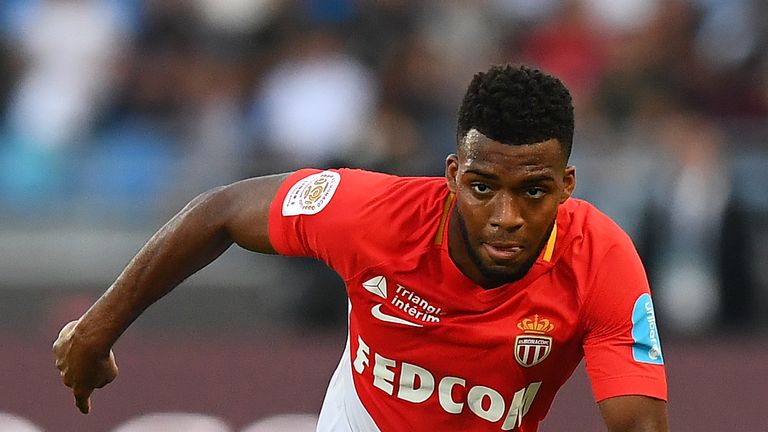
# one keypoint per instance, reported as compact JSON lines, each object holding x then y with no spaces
{"x":311,"y":194}
{"x":533,"y":346}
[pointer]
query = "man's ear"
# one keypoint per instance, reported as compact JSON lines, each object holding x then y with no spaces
{"x":569,"y":183}
{"x":452,"y":172}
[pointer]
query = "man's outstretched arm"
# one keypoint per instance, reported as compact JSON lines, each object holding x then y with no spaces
{"x":196,"y":236}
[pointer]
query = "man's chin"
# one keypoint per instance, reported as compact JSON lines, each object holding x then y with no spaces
{"x":500,"y":275}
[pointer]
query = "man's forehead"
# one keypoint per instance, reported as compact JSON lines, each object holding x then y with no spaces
{"x":480,"y":152}
{"x":473,"y":136}
{"x":475,"y":141}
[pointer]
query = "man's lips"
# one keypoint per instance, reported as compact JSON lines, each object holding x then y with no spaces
{"x":503,"y":251}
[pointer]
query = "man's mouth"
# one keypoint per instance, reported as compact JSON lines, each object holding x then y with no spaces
{"x":503,"y":251}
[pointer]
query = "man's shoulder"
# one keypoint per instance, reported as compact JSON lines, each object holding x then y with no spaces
{"x":596,"y":244}
{"x":589,"y":220}
{"x":386,"y":204}
{"x":392,"y":192}
{"x":368,"y":176}
{"x":592,"y":232}
{"x":394,"y":214}
{"x":371,"y":185}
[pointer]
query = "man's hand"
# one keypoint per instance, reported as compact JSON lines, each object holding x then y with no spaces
{"x":81,"y":368}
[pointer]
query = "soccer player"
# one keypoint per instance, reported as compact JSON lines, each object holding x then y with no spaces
{"x":472,"y":298}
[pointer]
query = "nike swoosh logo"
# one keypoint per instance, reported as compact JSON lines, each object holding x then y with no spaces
{"x":378,"y":314}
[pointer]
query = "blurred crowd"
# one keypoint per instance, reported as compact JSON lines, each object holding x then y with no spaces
{"x":128,"y":107}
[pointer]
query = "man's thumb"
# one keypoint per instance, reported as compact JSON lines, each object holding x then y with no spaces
{"x":83,"y":402}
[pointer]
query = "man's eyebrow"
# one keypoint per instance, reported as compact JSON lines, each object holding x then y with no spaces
{"x":539,"y":178}
{"x":532,"y":179}
{"x":481,"y":173}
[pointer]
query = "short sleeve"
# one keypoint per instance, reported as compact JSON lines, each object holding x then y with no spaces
{"x":316,"y":214}
{"x":622,"y":348}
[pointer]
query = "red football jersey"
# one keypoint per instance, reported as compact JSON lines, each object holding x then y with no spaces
{"x":428,"y":349}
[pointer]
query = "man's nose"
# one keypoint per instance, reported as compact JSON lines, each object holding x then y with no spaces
{"x":506,"y":213}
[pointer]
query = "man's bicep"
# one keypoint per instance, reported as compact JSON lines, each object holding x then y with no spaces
{"x":248,"y":205}
{"x":634,"y":414}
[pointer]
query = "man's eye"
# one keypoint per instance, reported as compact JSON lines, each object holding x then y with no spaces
{"x":535,"y":192}
{"x":480,"y":188}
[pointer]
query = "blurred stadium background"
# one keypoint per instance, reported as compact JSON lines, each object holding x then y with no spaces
{"x":115,"y":113}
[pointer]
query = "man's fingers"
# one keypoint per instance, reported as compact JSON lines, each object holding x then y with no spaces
{"x":57,"y":344}
{"x":60,"y":344}
{"x":66,"y":329}
{"x":66,"y":379}
{"x":83,"y":404}
{"x":82,"y":372}
{"x":83,"y":400}
{"x":106,"y":381}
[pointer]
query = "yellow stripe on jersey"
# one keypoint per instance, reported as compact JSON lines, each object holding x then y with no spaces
{"x":550,"y":244}
{"x":444,"y":219}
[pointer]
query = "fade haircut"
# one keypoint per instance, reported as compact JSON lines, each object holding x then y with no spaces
{"x":518,"y":105}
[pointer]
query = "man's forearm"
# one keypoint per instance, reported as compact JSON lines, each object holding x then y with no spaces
{"x":191,"y":240}
{"x":203,"y":230}
{"x":634,"y":413}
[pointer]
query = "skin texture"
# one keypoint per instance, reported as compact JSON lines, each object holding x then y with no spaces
{"x":507,"y":199}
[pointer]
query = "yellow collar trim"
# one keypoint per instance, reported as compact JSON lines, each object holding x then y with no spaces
{"x":444,"y":219}
{"x":550,"y":244}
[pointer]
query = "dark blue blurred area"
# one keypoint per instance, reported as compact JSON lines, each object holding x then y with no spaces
{"x":116,"y":113}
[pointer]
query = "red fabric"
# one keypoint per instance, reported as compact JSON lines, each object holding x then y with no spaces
{"x":458,"y":365}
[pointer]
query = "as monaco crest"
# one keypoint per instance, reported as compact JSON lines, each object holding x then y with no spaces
{"x":532,"y":347}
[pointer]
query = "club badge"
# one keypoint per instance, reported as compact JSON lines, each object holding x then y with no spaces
{"x":533,"y":346}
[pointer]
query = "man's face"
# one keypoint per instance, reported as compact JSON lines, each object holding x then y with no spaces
{"x":506,"y":202}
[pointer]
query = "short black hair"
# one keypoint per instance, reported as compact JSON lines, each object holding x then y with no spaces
{"x":517,"y":105}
